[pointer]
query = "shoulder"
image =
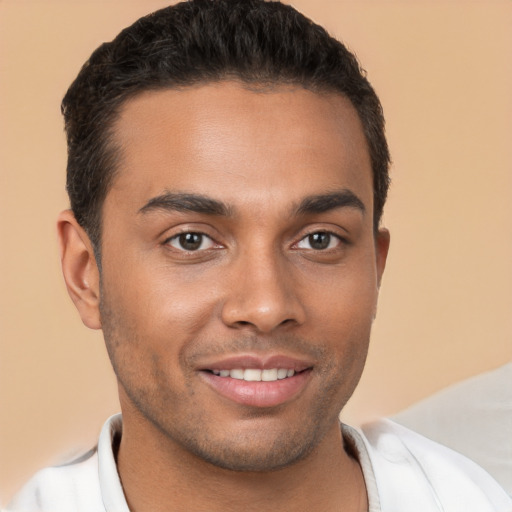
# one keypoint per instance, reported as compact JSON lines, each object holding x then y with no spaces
{"x":410,"y":468}
{"x":74,"y":486}
{"x":88,"y":484}
{"x":477,"y":408}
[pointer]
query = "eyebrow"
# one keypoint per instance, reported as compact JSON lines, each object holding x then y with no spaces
{"x":188,"y":202}
{"x":183,"y":202}
{"x":325,"y":202}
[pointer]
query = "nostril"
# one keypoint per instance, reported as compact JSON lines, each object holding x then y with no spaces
{"x":263,"y":310}
{"x":245,"y":323}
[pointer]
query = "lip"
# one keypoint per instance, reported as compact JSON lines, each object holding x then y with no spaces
{"x":260,"y":362}
{"x":257,"y":394}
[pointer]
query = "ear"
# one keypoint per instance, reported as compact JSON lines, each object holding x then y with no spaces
{"x":79,"y":268}
{"x":382,"y":239}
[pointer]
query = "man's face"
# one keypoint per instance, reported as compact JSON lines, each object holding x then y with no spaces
{"x":238,"y":245}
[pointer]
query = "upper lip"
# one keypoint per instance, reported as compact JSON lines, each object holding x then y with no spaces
{"x":261,"y":362}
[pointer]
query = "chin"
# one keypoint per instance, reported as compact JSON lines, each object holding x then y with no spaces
{"x":249,"y":458}
{"x":259,"y":448}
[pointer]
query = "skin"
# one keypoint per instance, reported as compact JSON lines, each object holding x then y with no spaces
{"x":256,"y":285}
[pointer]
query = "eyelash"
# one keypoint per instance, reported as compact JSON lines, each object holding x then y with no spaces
{"x":203,"y":236}
{"x":330,"y":234}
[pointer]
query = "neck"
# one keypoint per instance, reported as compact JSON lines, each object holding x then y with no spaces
{"x":156,"y":474}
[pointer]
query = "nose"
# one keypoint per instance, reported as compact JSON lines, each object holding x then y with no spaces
{"x":261,"y":295}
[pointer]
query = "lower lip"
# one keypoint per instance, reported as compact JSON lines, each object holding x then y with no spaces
{"x":258,"y":394}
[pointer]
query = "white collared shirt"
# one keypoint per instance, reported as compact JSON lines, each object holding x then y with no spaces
{"x":403,"y":471}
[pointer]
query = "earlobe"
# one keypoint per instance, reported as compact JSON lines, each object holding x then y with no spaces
{"x":79,"y":267}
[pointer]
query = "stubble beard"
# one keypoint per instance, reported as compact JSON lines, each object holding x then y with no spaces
{"x":258,"y":449}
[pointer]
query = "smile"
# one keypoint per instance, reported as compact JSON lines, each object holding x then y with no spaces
{"x":256,"y":375}
{"x":254,"y":387}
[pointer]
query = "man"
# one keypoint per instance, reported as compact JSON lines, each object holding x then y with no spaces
{"x":227,"y":172}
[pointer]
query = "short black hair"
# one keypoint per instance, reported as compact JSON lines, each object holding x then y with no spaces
{"x":204,"y":41}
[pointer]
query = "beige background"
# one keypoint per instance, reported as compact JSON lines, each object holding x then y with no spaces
{"x":444,"y":74}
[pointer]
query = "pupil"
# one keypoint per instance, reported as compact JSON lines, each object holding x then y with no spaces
{"x":190,"y":241}
{"x":320,"y":240}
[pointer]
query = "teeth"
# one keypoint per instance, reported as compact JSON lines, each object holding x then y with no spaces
{"x":269,"y":375}
{"x":256,"y":375}
{"x":252,"y":375}
{"x":237,"y":374}
{"x":282,"y":373}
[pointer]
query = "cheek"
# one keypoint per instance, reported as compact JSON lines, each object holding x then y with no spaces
{"x":151,"y":318}
{"x":346,"y":298}
{"x":344,"y":312}
{"x":166,"y":299}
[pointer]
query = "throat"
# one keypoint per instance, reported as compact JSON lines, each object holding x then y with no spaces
{"x":154,"y":475}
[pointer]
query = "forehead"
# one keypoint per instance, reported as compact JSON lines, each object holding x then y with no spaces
{"x":241,"y":143}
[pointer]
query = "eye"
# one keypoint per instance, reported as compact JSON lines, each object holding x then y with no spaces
{"x":191,"y":242}
{"x":319,"y":241}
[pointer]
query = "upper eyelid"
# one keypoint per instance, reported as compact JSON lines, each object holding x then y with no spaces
{"x":327,"y":226}
{"x":178,"y":230}
{"x":214,"y":245}
{"x":176,"y":235}
{"x":331,"y":231}
{"x":186,"y":232}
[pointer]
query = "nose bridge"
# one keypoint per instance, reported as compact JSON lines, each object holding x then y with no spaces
{"x":261,"y":292}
